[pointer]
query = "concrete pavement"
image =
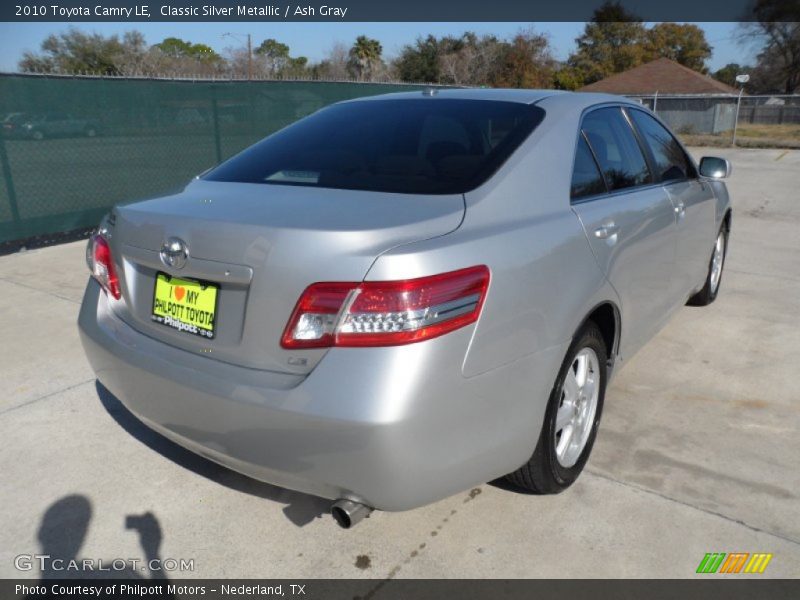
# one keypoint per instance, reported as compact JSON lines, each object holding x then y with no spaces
{"x":698,"y":449}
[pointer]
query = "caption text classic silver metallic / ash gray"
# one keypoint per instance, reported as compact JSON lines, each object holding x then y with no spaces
{"x":399,"y":297}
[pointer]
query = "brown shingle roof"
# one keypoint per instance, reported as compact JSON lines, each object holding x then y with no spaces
{"x":662,"y":75}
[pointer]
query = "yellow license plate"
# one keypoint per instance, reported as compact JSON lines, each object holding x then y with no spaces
{"x":185,"y":304}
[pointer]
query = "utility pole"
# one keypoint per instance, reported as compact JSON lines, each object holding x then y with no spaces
{"x":249,"y":58}
{"x":249,"y":51}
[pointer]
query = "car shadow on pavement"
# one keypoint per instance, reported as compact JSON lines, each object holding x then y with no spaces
{"x":301,"y":509}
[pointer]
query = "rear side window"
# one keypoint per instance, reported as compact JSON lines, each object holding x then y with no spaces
{"x":586,"y":177}
{"x":425,"y":146}
{"x":617,"y":151}
{"x":671,"y":162}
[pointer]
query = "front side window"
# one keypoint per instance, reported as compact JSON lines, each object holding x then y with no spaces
{"x":617,"y":151}
{"x":671,"y":162}
{"x":425,"y":146}
{"x":586,"y":177}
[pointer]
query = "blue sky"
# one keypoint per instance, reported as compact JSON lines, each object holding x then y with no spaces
{"x":314,"y":39}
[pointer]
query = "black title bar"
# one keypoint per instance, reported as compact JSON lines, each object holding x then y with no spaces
{"x":375,"y":10}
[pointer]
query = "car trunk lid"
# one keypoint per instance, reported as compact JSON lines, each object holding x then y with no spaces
{"x":262,"y":244}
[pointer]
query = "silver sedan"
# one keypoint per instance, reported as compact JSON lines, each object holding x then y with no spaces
{"x":399,"y":297}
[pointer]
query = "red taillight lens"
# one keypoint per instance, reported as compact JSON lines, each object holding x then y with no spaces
{"x":101,"y":265}
{"x":386,"y":313}
{"x":313,"y":322}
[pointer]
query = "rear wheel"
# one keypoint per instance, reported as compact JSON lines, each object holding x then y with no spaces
{"x":572,"y":417}
{"x":711,"y":287}
{"x":38,"y":135}
{"x":90,"y":132}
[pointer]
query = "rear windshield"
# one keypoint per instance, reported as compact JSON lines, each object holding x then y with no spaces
{"x":425,"y":146}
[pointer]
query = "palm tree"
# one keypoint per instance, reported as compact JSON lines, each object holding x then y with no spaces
{"x":365,"y":56}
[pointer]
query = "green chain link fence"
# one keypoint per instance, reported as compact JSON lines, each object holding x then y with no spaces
{"x":71,"y":147}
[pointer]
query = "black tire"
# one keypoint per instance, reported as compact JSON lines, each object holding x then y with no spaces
{"x":90,"y":132}
{"x":709,"y":293}
{"x":38,"y":135}
{"x":543,"y":474}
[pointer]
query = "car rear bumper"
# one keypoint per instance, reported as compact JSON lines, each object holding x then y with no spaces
{"x":394,"y":428}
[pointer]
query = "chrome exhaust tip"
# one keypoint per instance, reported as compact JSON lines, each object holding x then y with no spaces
{"x":348,"y":513}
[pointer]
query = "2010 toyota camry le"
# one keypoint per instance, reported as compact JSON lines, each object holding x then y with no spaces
{"x":402,"y":296}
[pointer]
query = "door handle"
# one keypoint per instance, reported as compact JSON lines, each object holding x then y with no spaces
{"x":680,"y":209}
{"x":606,"y":231}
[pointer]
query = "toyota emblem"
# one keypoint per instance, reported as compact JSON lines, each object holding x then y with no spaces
{"x":174,"y":253}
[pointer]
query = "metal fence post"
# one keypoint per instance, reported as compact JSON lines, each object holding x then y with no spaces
{"x":12,"y":194}
{"x":736,"y":118}
{"x":215,"y":117}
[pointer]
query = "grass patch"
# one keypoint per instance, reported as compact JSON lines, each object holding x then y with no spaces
{"x":750,"y":135}
{"x":787,"y":131}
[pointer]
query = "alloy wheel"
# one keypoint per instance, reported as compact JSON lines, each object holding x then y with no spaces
{"x":716,"y":261}
{"x":578,"y":406}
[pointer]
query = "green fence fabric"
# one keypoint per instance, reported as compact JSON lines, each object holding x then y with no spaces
{"x":106,"y":140}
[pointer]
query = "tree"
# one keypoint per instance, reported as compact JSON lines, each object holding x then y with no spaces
{"x":275,"y":54}
{"x":611,"y":43}
{"x":295,"y":68}
{"x":617,"y":40}
{"x":75,"y":52}
{"x":133,"y":53}
{"x":334,"y":65}
{"x":365,"y":58}
{"x":771,"y":75}
{"x":567,"y":77}
{"x":469,"y":60}
{"x":420,"y":62}
{"x":176,"y":56}
{"x":777,"y":27}
{"x":178,"y":48}
{"x":174,"y":47}
{"x":525,"y":62}
{"x":683,"y":43}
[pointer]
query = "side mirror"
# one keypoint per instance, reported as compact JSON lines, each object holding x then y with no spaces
{"x":715,"y":168}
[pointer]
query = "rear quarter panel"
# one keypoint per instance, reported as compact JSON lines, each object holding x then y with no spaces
{"x":544,"y":278}
{"x":544,"y":282}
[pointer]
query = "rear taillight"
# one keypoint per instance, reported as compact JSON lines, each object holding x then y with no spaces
{"x":101,"y":265}
{"x":386,"y":313}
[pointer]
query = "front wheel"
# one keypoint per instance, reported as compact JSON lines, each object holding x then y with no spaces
{"x":571,"y":420}
{"x":711,"y":286}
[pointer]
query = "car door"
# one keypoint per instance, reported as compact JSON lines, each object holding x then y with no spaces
{"x":629,"y":221}
{"x":55,"y":124}
{"x":71,"y":125}
{"x":692,"y":199}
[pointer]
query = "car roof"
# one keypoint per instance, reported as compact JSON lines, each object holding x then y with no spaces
{"x":523,"y":96}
